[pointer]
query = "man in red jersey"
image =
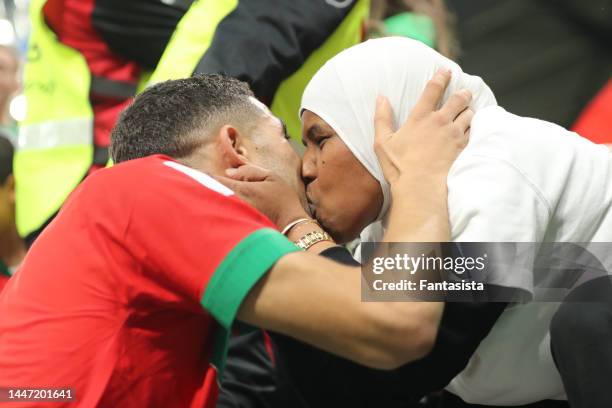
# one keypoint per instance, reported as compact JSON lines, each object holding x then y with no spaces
{"x":128,"y":297}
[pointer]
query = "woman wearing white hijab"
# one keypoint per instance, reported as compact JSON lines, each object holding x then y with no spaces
{"x":518,"y":180}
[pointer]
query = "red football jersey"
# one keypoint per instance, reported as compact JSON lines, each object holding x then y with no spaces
{"x":128,"y":296}
{"x":3,"y":280}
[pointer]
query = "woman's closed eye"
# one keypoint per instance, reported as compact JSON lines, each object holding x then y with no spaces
{"x":320,"y":140}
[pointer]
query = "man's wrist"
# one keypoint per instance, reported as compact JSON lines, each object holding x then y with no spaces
{"x":303,"y":229}
{"x":284,"y":221}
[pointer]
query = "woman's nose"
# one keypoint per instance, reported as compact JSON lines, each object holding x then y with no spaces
{"x":309,"y":168}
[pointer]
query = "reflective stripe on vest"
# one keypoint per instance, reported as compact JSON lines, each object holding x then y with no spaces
{"x":195,"y":32}
{"x":45,"y":178}
{"x":48,"y":135}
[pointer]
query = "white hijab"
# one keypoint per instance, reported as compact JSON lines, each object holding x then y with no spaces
{"x":343,"y":93}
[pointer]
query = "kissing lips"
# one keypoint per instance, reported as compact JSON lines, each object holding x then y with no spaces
{"x":313,"y":209}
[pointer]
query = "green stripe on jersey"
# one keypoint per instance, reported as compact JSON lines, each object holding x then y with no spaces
{"x":4,"y":270}
{"x":239,"y":271}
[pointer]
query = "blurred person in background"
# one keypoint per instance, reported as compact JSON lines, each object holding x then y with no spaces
{"x":428,"y":21}
{"x":12,"y":247}
{"x":86,"y":60}
{"x":9,"y":85}
{"x":550,"y":59}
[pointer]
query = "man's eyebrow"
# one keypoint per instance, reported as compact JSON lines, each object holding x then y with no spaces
{"x":312,"y":133}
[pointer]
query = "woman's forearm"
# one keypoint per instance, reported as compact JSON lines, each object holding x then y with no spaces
{"x":418,"y":213}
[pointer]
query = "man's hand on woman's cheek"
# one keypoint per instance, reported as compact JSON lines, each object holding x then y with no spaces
{"x":267,"y":192}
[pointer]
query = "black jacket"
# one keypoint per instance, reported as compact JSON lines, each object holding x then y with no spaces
{"x":261,"y":42}
{"x":305,"y":377}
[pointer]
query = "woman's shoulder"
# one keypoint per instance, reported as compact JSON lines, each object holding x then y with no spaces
{"x":498,"y":133}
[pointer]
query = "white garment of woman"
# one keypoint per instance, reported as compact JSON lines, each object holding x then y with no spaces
{"x":518,"y":180}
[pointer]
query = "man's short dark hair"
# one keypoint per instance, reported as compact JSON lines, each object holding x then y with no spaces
{"x":172,"y":117}
{"x":6,"y":158}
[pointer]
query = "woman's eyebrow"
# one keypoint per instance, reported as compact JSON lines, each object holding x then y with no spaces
{"x":313,"y":131}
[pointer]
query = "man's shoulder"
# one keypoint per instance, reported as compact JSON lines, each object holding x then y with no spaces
{"x":195,"y":177}
{"x":159,"y":180}
{"x":135,"y":167}
{"x":152,"y":173}
{"x":162,"y":171}
{"x":122,"y":182}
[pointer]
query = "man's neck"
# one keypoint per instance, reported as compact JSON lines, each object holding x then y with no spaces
{"x":12,"y":248}
{"x":203,"y":163}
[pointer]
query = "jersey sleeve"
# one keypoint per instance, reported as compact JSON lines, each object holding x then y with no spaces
{"x":201,"y":245}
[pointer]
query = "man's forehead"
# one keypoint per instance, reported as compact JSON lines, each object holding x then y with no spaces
{"x":263,"y":108}
{"x":266,"y":112}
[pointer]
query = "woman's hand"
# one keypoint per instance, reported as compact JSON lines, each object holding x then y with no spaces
{"x":267,"y":192}
{"x":416,"y":159}
{"x":424,"y":148}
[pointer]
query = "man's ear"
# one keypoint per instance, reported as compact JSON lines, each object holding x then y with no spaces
{"x":233,"y":150}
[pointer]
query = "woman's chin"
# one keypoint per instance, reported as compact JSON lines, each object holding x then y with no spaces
{"x":337,"y":232}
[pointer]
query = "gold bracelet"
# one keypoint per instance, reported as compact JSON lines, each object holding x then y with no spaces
{"x":312,"y":238}
{"x":295,"y":223}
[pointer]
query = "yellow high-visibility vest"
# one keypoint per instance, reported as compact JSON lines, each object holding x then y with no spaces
{"x":55,"y":141}
{"x":55,"y":144}
{"x":195,"y":32}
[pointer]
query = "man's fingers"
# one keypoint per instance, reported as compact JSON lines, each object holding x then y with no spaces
{"x":229,"y":183}
{"x":383,"y":117}
{"x":248,"y":172}
{"x":464,"y":120}
{"x":456,"y":104}
{"x":246,"y":190}
{"x":432,"y":94}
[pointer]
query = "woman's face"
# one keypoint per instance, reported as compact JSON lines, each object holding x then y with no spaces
{"x":343,"y":195}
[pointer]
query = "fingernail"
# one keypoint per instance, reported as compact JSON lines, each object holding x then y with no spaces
{"x":379,"y":100}
{"x":231,"y":171}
